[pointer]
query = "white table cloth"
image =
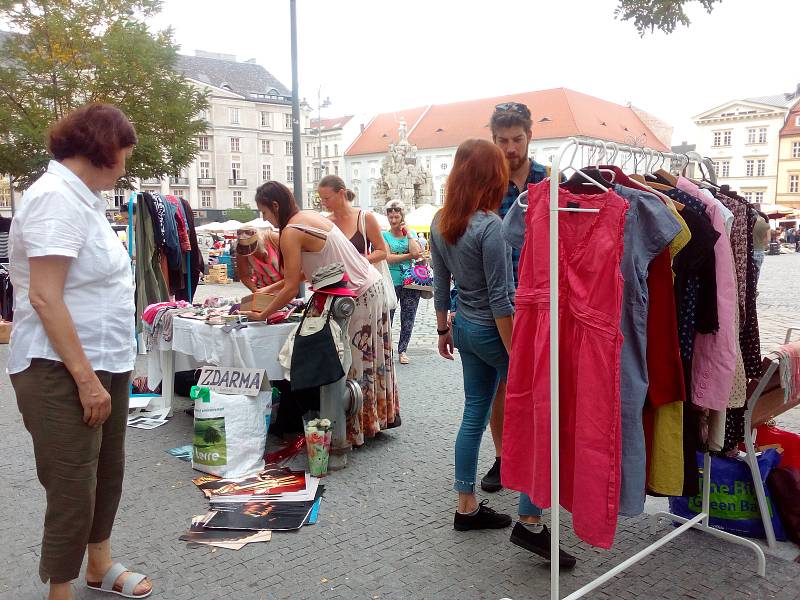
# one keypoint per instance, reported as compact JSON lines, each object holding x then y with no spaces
{"x":195,"y":344}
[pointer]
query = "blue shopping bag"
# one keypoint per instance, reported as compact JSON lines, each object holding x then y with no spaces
{"x":733,"y":502}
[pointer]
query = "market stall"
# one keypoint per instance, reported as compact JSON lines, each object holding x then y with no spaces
{"x":192,"y":343}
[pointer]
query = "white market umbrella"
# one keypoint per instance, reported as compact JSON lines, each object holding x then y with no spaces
{"x":231,"y":225}
{"x":260,"y":224}
{"x":420,"y":218}
{"x":209,"y":227}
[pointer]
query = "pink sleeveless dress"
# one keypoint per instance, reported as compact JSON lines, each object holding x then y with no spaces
{"x":590,"y":341}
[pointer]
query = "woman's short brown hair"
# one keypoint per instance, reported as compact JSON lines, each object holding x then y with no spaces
{"x":95,"y":131}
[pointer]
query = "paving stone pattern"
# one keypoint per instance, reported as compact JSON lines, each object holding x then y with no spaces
{"x":385,"y":528}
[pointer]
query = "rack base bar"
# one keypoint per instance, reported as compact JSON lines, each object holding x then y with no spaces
{"x":579,"y":593}
{"x":695,"y":522}
{"x":728,"y":537}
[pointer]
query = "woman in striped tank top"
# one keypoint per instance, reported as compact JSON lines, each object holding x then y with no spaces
{"x":258,"y":258}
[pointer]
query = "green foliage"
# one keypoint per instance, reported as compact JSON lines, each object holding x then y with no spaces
{"x":69,"y":52}
{"x":664,"y":15}
{"x":243,"y":213}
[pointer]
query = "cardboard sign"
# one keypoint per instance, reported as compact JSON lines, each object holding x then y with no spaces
{"x":232,"y":380}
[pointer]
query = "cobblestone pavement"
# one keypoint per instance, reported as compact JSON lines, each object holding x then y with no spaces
{"x":385,"y":525}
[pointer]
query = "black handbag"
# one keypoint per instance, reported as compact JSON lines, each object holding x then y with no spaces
{"x":315,"y":360}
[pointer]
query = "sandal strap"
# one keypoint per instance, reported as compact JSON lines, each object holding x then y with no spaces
{"x":111,"y":576}
{"x":131,"y":581}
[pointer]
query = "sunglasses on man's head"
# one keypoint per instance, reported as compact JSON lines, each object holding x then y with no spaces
{"x":516,"y":107}
{"x":393,"y":209}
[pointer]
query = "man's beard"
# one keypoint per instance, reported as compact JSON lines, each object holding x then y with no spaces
{"x":516,"y":162}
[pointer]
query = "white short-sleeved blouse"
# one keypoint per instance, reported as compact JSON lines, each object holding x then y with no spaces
{"x":60,"y":216}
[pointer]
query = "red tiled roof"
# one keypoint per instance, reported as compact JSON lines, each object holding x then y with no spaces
{"x":790,"y":128}
{"x":335,"y":123}
{"x":556,"y":113}
{"x":382,"y":131}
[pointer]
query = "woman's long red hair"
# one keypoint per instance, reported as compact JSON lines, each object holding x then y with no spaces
{"x":478,"y":181}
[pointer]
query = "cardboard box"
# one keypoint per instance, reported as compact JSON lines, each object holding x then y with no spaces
{"x":256,"y":302}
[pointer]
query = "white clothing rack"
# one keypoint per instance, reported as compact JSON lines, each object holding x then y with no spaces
{"x":701,"y":521}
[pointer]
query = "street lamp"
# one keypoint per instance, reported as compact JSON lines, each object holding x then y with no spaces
{"x":320,"y":105}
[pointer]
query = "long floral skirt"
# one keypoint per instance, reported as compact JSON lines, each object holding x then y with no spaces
{"x":370,"y":335}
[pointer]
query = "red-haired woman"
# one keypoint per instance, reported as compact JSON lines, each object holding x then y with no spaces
{"x":72,"y":349}
{"x":467,"y":243}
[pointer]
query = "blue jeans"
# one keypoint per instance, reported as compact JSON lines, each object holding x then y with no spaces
{"x":484,"y":361}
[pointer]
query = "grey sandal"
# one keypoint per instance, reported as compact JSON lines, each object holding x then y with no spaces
{"x":108,"y":584}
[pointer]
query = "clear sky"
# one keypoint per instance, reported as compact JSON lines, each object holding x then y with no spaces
{"x":378,"y":55}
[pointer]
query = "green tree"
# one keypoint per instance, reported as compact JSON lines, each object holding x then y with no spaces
{"x":64,"y":53}
{"x":664,"y":15}
{"x":242,"y":213}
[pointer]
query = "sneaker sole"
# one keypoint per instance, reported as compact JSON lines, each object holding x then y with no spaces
{"x":458,"y":527}
{"x":491,"y":487}
{"x":564,"y":564}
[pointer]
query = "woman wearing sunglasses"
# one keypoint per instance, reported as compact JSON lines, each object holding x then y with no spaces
{"x":403,"y":248}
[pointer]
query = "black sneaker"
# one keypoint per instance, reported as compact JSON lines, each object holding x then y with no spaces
{"x":491,"y":482}
{"x":539,"y":543}
{"x":485,"y":518}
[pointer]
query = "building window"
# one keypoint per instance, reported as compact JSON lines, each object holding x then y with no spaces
{"x":794,"y":184}
{"x":748,"y":196}
{"x":336,"y":149}
{"x":443,"y":166}
{"x":722,"y":138}
{"x":442,"y":193}
{"x":757,"y":135}
{"x":308,"y":173}
{"x":761,"y":167}
{"x":751,"y":136}
{"x":287,"y":121}
{"x":202,"y":142}
{"x":120,"y":196}
{"x":206,"y":200}
{"x":758,"y":197}
{"x":290,"y":174}
{"x":177,"y":193}
{"x":336,"y":169}
{"x":723,"y":168}
{"x":355,"y":173}
{"x":372,"y":172}
{"x":795,"y":149}
{"x":266,"y":172}
{"x":762,"y":135}
{"x":266,"y":147}
{"x":317,"y":173}
{"x":326,"y":150}
{"x":205,"y":169}
{"x":235,"y":145}
{"x":749,"y":168}
{"x":289,"y":148}
{"x":5,"y":194}
{"x":234,"y":113}
{"x":316,"y":152}
{"x":265,"y":118}
{"x":308,"y":149}
{"x":237,"y":198}
{"x":236,"y":170}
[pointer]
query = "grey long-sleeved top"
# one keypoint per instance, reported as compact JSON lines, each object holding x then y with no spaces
{"x":480,"y":263}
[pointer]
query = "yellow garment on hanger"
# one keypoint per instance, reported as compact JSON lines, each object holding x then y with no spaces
{"x":666,"y":451}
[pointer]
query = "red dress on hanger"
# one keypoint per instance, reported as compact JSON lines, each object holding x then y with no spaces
{"x":590,"y":340}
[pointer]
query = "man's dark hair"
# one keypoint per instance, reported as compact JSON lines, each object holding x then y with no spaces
{"x":502,"y":119}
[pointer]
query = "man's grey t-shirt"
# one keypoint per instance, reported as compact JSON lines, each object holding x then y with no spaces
{"x":480,"y":263}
